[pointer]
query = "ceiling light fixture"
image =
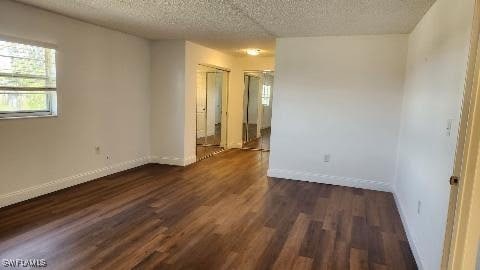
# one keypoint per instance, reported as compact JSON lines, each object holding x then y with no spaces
{"x":253,"y":52}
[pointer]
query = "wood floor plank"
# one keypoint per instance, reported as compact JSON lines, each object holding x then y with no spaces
{"x":358,"y":259}
{"x":341,"y":255}
{"x":302,"y":263}
{"x":359,"y":233}
{"x":376,"y":249}
{"x":359,"y":206}
{"x":320,"y":209}
{"x":393,"y":253}
{"x":219,"y":213}
{"x":250,"y":256}
{"x":324,"y":254}
{"x":292,"y":246}
{"x":311,"y":240}
{"x":375,"y":266}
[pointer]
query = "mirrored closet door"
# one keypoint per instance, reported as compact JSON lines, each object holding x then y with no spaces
{"x":211,"y":99}
{"x":257,"y":110}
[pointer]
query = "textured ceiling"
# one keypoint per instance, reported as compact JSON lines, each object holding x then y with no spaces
{"x":232,"y":25}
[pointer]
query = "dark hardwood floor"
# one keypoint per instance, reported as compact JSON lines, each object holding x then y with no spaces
{"x":220,"y":213}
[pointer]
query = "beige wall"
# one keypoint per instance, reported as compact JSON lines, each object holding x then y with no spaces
{"x":103,"y":80}
{"x":256,"y":63}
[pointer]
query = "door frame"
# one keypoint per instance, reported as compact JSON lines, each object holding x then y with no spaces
{"x":466,"y":158}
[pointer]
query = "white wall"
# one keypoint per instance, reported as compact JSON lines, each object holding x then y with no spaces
{"x":103,"y":84}
{"x":168,"y":101}
{"x":339,"y":96}
{"x":435,"y":74}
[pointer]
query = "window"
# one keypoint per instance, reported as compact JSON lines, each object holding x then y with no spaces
{"x":266,"y":95}
{"x":28,"y":84}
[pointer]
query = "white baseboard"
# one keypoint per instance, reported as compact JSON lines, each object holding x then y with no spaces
{"x":328,"y":179}
{"x":35,"y":191}
{"x":175,"y":161}
{"x":412,"y":239}
{"x":168,"y":160}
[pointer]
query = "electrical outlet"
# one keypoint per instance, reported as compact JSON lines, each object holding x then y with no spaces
{"x":419,"y":207}
{"x":326,"y":158}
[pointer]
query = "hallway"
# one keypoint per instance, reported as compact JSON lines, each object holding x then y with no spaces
{"x":220,"y":213}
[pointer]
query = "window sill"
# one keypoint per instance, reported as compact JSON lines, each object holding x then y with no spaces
{"x":28,"y":117}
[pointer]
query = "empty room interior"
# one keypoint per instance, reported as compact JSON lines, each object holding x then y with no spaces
{"x":240,"y":134}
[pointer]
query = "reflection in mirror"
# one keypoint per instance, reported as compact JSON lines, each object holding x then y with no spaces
{"x":211,"y":98}
{"x":257,"y":110}
{"x":251,"y":109}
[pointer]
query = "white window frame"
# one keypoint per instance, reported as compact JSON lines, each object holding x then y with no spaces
{"x":51,"y":112}
{"x":51,"y":93}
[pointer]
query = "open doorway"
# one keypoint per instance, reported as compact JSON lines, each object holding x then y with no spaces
{"x":211,"y":104}
{"x":257,"y":110}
